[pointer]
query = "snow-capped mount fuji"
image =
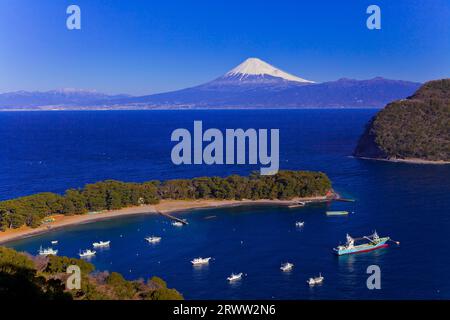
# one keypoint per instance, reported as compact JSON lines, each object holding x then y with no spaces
{"x":256,"y":69}
{"x":253,"y":74}
{"x":257,"y":84}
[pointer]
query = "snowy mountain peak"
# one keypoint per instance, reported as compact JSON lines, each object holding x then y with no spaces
{"x":257,"y":67}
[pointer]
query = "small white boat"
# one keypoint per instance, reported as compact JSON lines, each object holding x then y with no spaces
{"x":153,"y":239}
{"x":177,"y":224}
{"x":54,"y":242}
{"x":315,"y":280}
{"x":299,"y":224}
{"x":87,"y":253}
{"x":47,"y":252}
{"x":200,"y":261}
{"x":285,"y":267}
{"x":101,"y":244}
{"x":235,"y":277}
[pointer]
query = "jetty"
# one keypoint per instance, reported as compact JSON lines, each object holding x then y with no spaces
{"x":173,"y":218}
{"x":344,"y":200}
{"x":297,"y":204}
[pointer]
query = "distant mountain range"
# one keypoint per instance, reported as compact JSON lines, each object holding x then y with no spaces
{"x":252,"y":84}
{"x":57,"y":98}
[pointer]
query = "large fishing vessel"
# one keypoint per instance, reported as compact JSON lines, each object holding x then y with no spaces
{"x":369,"y":243}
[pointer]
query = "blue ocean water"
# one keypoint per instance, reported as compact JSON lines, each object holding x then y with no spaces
{"x":52,"y":151}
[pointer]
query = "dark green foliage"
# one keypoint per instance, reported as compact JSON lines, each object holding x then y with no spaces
{"x":110,"y":194}
{"x":23,"y":277}
{"x":283,"y":185}
{"x":160,"y":291}
{"x":58,"y":264}
{"x":123,"y":289}
{"x":417,"y":127}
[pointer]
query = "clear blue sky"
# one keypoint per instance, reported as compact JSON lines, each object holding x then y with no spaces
{"x":149,"y":46}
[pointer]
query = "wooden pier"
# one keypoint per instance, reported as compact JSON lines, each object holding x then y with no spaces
{"x":173,"y":218}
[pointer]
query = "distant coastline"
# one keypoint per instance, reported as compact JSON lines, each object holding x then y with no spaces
{"x":409,"y":160}
{"x":165,"y":206}
{"x":187,"y":108}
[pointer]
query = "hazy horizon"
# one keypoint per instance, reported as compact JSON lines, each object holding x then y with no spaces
{"x":142,"y":48}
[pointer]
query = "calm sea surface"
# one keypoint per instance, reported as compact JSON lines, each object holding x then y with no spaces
{"x":52,"y":151}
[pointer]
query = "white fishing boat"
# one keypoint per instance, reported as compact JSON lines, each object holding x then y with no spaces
{"x":177,"y":224}
{"x":200,"y":261}
{"x":54,"y":242}
{"x":285,"y":267}
{"x":315,"y":280}
{"x":235,"y":277}
{"x":47,"y":252}
{"x":101,"y":244}
{"x":87,"y":253}
{"x":153,"y":239}
{"x":299,"y":224}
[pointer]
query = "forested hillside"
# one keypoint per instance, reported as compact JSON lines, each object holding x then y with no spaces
{"x":44,"y":278}
{"x":413,"y":128}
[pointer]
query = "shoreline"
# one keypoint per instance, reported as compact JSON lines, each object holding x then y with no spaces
{"x":164,"y":207}
{"x":409,"y":160}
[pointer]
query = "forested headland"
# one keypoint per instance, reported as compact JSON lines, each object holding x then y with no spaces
{"x":413,"y":128}
{"x":30,"y":278}
{"x":110,"y":195}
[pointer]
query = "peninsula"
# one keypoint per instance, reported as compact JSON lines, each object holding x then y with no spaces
{"x":39,"y":213}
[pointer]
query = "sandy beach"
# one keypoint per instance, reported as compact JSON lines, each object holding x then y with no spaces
{"x":165,"y":207}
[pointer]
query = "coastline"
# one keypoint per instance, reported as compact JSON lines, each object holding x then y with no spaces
{"x":164,"y":207}
{"x":408,"y":160}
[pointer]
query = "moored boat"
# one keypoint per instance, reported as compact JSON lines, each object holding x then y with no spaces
{"x":235,"y":277}
{"x":153,"y":239}
{"x":299,"y":224}
{"x":177,"y":224}
{"x":315,"y":280}
{"x":54,"y":242}
{"x":285,"y":267}
{"x":87,"y":253}
{"x":200,"y":261}
{"x":372,"y":242}
{"x":101,"y":244}
{"x":47,"y":252}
